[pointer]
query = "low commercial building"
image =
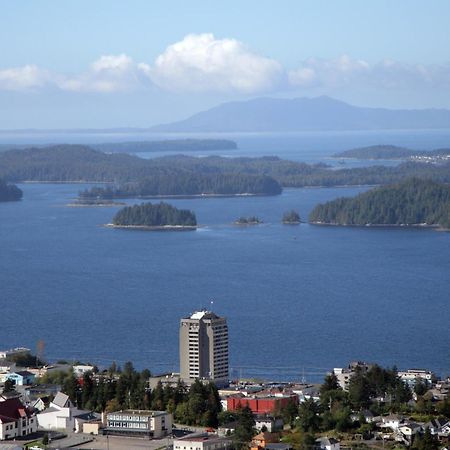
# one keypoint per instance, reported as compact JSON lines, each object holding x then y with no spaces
{"x":16,"y":420}
{"x":412,"y":376}
{"x":132,"y":422}
{"x":202,"y":441}
{"x":261,"y":405}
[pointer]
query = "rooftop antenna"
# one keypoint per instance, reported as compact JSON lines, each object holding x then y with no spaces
{"x":211,"y":303}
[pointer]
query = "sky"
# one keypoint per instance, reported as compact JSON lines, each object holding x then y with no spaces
{"x":136,"y":63}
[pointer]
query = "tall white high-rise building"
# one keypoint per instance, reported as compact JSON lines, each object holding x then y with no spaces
{"x":204,"y":348}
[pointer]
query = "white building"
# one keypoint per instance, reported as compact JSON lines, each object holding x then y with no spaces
{"x":411,"y":376}
{"x":15,"y":419}
{"x":63,"y":415}
{"x":80,"y":370}
{"x":154,"y":424}
{"x":326,"y":443}
{"x":13,"y":352}
{"x":202,"y":441}
{"x":204,"y":348}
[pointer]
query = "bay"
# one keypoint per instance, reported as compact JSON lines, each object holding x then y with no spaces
{"x":299,"y":299}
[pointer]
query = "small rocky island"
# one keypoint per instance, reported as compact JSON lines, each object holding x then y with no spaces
{"x":291,"y":218}
{"x":252,"y":220}
{"x":158,"y":216}
{"x":9,"y":192}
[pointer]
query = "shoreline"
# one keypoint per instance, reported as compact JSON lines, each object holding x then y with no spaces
{"x":436,"y":227}
{"x":153,"y":227}
{"x":94,"y":205}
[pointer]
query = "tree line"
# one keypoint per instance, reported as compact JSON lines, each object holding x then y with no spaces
{"x":82,"y":163}
{"x":415,"y":201}
{"x":187,"y":184}
{"x":158,"y":214}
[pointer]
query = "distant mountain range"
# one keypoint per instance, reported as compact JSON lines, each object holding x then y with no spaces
{"x":305,"y":114}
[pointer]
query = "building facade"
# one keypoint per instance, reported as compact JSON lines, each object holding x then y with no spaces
{"x":133,"y":422}
{"x":202,"y":441}
{"x":16,"y":420}
{"x":204,"y":348}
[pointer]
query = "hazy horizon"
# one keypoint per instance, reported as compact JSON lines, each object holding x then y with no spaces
{"x":80,"y":64}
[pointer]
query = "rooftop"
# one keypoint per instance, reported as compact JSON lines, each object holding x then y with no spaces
{"x":203,"y":314}
{"x":139,"y":412}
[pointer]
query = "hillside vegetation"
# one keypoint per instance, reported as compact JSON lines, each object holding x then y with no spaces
{"x":154,"y":215}
{"x":189,"y":175}
{"x":412,"y":202}
{"x":388,"y":152}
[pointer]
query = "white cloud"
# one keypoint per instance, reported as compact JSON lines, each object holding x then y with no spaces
{"x":23,"y":78}
{"x":200,"y":62}
{"x":110,"y":73}
{"x":386,"y":74}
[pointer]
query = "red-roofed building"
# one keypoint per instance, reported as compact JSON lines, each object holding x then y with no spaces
{"x":261,"y":405}
{"x":15,"y":419}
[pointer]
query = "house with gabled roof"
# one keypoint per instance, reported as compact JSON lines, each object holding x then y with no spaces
{"x":62,"y":414}
{"x":16,"y":420}
{"x":21,"y":378}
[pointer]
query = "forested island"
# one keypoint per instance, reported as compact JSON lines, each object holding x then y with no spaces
{"x":154,"y":216}
{"x":172,"y":145}
{"x":188,"y":175}
{"x":413,"y":202}
{"x":291,"y":218}
{"x":251,"y":220}
{"x":9,"y":192}
{"x":388,"y":152}
{"x":188,"y":185}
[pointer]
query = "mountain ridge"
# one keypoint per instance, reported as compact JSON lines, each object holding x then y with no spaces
{"x":304,"y":114}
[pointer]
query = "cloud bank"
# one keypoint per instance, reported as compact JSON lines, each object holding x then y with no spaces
{"x":203,"y":63}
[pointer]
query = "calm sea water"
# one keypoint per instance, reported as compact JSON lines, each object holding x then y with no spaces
{"x":299,"y":299}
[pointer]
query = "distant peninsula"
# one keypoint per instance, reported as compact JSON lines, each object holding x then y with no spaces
{"x":391,"y":152}
{"x":126,"y":175}
{"x":170,"y":145}
{"x":414,"y":202}
{"x":9,"y":192}
{"x":158,"y":216}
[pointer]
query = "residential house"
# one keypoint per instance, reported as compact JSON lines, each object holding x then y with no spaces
{"x":326,"y":443}
{"x":16,"y":420}
{"x":63,"y":415}
{"x":261,"y":440}
{"x":270,"y":423}
{"x":409,"y":429}
{"x":391,"y":421}
{"x":21,"y":378}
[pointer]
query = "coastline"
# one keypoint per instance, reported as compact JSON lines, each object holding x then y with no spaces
{"x":94,"y":205}
{"x":436,"y":227}
{"x":153,"y":227}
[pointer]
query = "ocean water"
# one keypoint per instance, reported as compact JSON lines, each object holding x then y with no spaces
{"x":299,"y":300}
